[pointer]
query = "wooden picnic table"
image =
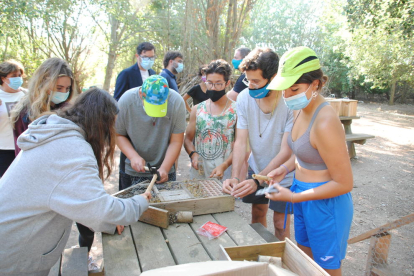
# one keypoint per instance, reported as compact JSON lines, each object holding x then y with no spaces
{"x":142,"y":247}
{"x":352,"y":138}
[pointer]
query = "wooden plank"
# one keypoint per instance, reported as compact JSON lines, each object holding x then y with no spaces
{"x":119,"y":254}
{"x":264,"y":233}
{"x":238,"y":229}
{"x":74,"y":262}
{"x":212,"y":246}
{"x":199,"y":206}
{"x":384,"y":228}
{"x":54,"y":271}
{"x":184,"y":244}
{"x":251,"y":252}
{"x":300,"y":263}
{"x":346,"y":118}
{"x":155,"y":216}
{"x":378,"y":251}
{"x":358,"y":136}
{"x":153,"y":251}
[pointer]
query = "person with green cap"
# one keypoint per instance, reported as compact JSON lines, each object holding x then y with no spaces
{"x":150,"y":129}
{"x":320,"y":192}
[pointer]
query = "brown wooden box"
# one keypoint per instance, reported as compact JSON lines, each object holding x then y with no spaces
{"x":349,"y":108}
{"x":336,"y":105}
{"x":292,"y":256}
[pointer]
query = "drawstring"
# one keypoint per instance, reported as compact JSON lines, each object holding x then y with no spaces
{"x":289,"y":205}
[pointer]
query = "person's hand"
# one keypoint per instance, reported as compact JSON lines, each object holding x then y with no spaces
{"x":163,"y":175}
{"x":194,"y":160}
{"x":120,"y":229}
{"x":146,"y":195}
{"x":284,"y":194}
{"x":219,"y":171}
{"x":277,"y":175}
{"x":229,"y":184}
{"x":244,"y":188}
{"x":138,"y":164}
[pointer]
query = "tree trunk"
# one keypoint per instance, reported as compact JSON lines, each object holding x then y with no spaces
{"x":391,"y":102}
{"x":113,"y":45}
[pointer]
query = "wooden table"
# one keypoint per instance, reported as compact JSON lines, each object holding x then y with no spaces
{"x":352,"y":138}
{"x":143,"y":247}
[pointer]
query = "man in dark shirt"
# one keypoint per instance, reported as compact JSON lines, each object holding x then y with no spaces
{"x":240,"y":84}
{"x":135,"y":75}
{"x":173,"y":64}
{"x":132,"y":77}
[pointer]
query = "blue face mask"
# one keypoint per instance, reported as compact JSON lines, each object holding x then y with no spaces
{"x":180,"y":67}
{"x":259,"y":93}
{"x":236,"y":63}
{"x":146,"y":63}
{"x":15,"y":83}
{"x":59,"y":97}
{"x":299,"y":101}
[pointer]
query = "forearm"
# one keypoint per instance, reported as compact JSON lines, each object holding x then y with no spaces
{"x":187,"y":106}
{"x":173,"y":151}
{"x":328,"y":190}
{"x":126,"y":147}
{"x":188,"y":144}
{"x":238,"y":157}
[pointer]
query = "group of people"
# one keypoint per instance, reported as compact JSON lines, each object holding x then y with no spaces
{"x":273,"y":122}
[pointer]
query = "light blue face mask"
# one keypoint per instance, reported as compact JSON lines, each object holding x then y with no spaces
{"x":180,"y":67}
{"x":59,"y":97}
{"x":259,"y":93}
{"x":299,"y":101}
{"x":236,"y":63}
{"x":147,"y":63}
{"x":15,"y":83}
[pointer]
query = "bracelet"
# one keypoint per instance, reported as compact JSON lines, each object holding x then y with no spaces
{"x":191,"y":153}
{"x":237,"y":179}
{"x":283,"y":165}
{"x":257,"y":183}
{"x":291,"y":198}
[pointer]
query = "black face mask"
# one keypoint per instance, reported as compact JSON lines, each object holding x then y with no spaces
{"x":215,"y":95}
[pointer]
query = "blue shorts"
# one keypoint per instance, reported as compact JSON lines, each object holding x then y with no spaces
{"x":323,"y":225}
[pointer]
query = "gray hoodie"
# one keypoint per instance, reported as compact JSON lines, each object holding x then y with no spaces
{"x":52,"y":182}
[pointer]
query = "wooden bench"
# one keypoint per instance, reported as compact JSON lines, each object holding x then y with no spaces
{"x":73,"y":262}
{"x":358,"y":138}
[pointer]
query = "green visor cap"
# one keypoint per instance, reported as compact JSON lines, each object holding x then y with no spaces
{"x":293,"y":64}
{"x":155,"y":95}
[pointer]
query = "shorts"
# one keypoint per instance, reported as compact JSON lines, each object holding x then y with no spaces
{"x":323,"y":225}
{"x":126,"y":180}
{"x":276,"y":206}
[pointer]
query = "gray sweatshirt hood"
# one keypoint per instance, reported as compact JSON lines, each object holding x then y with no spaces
{"x":48,"y":128}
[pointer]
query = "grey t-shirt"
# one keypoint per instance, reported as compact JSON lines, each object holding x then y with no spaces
{"x":149,"y":136}
{"x":272,"y":128}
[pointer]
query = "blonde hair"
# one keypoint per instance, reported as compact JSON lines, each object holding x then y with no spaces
{"x":10,"y":66}
{"x":44,"y":79}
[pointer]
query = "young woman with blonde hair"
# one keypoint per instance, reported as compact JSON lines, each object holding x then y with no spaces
{"x":51,"y":86}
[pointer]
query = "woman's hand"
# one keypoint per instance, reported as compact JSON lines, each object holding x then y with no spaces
{"x":284,"y":194}
{"x":277,"y":175}
{"x":219,"y":171}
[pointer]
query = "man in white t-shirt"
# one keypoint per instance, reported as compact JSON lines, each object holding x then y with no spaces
{"x":264,"y":121}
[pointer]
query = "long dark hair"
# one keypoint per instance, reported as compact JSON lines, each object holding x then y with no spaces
{"x":95,"y":112}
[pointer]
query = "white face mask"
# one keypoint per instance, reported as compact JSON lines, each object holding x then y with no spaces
{"x":299,"y":101}
{"x":59,"y":97}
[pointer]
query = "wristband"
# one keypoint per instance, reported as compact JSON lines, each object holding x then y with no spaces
{"x":287,"y":170}
{"x":237,"y":179}
{"x":191,"y":153}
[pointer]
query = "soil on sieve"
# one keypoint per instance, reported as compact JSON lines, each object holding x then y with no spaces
{"x":383,"y":179}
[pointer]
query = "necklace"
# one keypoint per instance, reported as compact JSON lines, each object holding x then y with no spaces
{"x":223,"y":108}
{"x":271,"y":115}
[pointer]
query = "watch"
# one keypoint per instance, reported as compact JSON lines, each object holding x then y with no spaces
{"x":191,"y":153}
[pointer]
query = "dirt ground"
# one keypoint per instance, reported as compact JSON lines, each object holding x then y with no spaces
{"x":383,"y":175}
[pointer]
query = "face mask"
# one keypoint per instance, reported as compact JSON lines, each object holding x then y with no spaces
{"x":15,"y":83}
{"x":215,"y":95}
{"x":147,"y":63}
{"x":299,"y":101}
{"x":180,"y":67}
{"x":236,"y":63}
{"x":59,"y":97}
{"x":259,"y":93}
{"x":203,"y":78}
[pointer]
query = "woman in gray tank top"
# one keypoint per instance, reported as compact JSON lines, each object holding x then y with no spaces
{"x":320,"y":193}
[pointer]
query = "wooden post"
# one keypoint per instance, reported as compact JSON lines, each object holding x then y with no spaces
{"x":378,"y":252}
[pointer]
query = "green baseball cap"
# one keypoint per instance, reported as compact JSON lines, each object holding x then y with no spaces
{"x":155,"y":96}
{"x":292,"y":65}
